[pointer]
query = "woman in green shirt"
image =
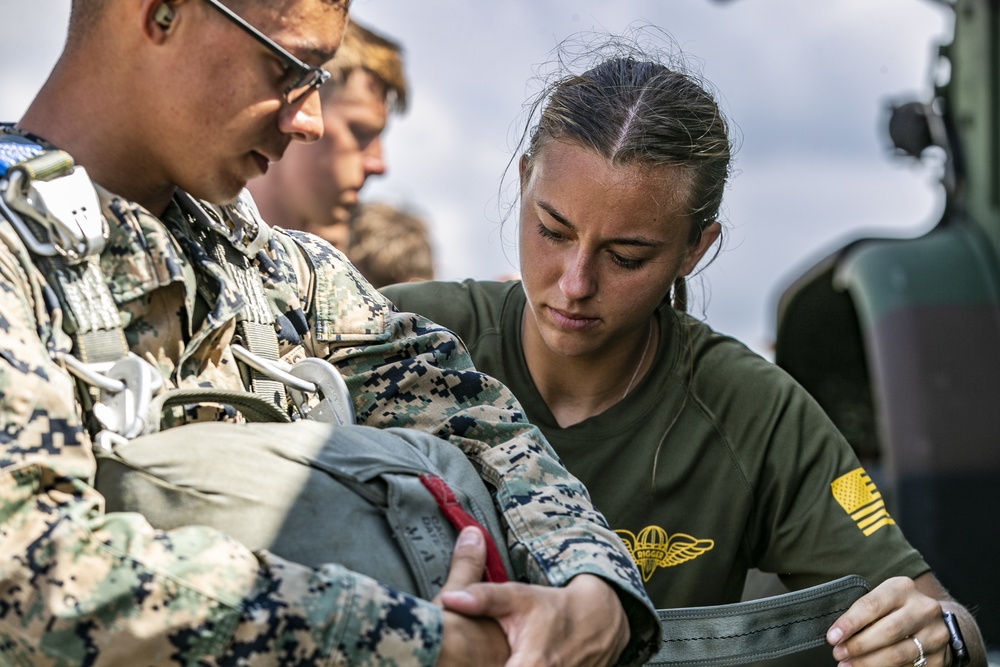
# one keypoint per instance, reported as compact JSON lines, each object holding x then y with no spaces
{"x":706,"y":459}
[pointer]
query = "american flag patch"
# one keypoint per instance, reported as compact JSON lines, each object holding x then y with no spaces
{"x":857,"y":494}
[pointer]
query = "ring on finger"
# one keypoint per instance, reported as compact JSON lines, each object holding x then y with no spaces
{"x":921,"y":660}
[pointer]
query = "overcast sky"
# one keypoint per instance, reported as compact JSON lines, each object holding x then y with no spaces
{"x":806,"y":84}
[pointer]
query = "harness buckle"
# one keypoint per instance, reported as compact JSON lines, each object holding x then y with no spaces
{"x":249,"y":233}
{"x":59,"y":197}
{"x":126,"y":388}
{"x":239,"y":222}
{"x":309,"y":376}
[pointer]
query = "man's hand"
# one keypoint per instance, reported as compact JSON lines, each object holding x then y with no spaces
{"x":469,"y":641}
{"x":879,"y":628}
{"x":582,"y":624}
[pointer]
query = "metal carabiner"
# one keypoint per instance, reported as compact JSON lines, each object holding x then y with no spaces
{"x":126,"y":387}
{"x":131,"y":405}
{"x":309,"y":376}
{"x":336,"y":405}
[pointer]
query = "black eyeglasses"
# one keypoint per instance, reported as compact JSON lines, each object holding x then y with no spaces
{"x":304,"y":78}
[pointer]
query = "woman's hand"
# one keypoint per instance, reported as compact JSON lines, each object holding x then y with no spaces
{"x":880,"y":628}
{"x":581,"y":624}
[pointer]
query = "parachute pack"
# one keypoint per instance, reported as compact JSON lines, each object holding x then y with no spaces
{"x":386,"y":503}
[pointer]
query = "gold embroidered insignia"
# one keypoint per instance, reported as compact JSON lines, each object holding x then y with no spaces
{"x":653,"y":548}
{"x":857,"y":494}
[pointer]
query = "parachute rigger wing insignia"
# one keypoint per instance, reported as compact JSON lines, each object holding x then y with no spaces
{"x":648,"y":548}
{"x":653,"y":548}
{"x":682,"y":548}
{"x":639,"y":555}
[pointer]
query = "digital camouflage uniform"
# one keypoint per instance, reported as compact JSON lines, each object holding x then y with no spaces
{"x":80,"y":587}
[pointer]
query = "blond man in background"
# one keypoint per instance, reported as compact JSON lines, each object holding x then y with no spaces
{"x":315,"y":186}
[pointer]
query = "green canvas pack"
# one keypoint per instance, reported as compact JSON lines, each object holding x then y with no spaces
{"x":310,"y":492}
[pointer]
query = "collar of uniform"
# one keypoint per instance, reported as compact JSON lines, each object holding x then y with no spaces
{"x":146,"y":252}
{"x":140,"y":255}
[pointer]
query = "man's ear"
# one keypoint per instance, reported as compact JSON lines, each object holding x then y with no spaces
{"x":694,"y":254}
{"x":158,"y":18}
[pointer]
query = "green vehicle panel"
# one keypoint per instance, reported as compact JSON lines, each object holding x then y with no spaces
{"x":899,"y":339}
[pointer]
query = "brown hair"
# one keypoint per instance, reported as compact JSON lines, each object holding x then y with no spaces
{"x":389,"y":245}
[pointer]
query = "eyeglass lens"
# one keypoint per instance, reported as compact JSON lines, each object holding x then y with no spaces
{"x":303,"y":77}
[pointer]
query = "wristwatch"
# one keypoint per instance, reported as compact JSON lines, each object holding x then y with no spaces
{"x":959,"y":651}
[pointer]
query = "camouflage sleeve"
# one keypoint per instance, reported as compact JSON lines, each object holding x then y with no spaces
{"x":81,"y":587}
{"x":412,"y":373}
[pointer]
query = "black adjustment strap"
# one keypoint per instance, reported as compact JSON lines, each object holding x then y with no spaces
{"x":737,"y":634}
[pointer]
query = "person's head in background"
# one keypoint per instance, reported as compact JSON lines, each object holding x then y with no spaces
{"x":315,"y":187}
{"x":389,"y":245}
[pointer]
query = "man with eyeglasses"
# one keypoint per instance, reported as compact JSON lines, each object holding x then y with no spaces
{"x":134,"y":260}
{"x":316,"y":187}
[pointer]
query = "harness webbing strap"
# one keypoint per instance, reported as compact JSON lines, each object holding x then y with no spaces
{"x":746,"y":632}
{"x":255,"y":321}
{"x":90,"y":315}
{"x":253,"y":407}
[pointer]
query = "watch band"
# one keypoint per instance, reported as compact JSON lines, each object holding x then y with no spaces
{"x":736,"y":634}
{"x":959,"y":651}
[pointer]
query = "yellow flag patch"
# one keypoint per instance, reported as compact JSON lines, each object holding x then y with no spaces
{"x":857,"y":494}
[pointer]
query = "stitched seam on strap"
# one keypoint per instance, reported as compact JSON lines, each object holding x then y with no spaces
{"x":835,"y":612}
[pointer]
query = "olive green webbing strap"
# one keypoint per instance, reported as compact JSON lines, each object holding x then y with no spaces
{"x":255,"y":322}
{"x":745,"y":632}
{"x":254,"y":408}
{"x":90,"y":315}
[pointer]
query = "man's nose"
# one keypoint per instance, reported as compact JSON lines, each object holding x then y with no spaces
{"x":373,"y":161}
{"x":303,"y":119}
